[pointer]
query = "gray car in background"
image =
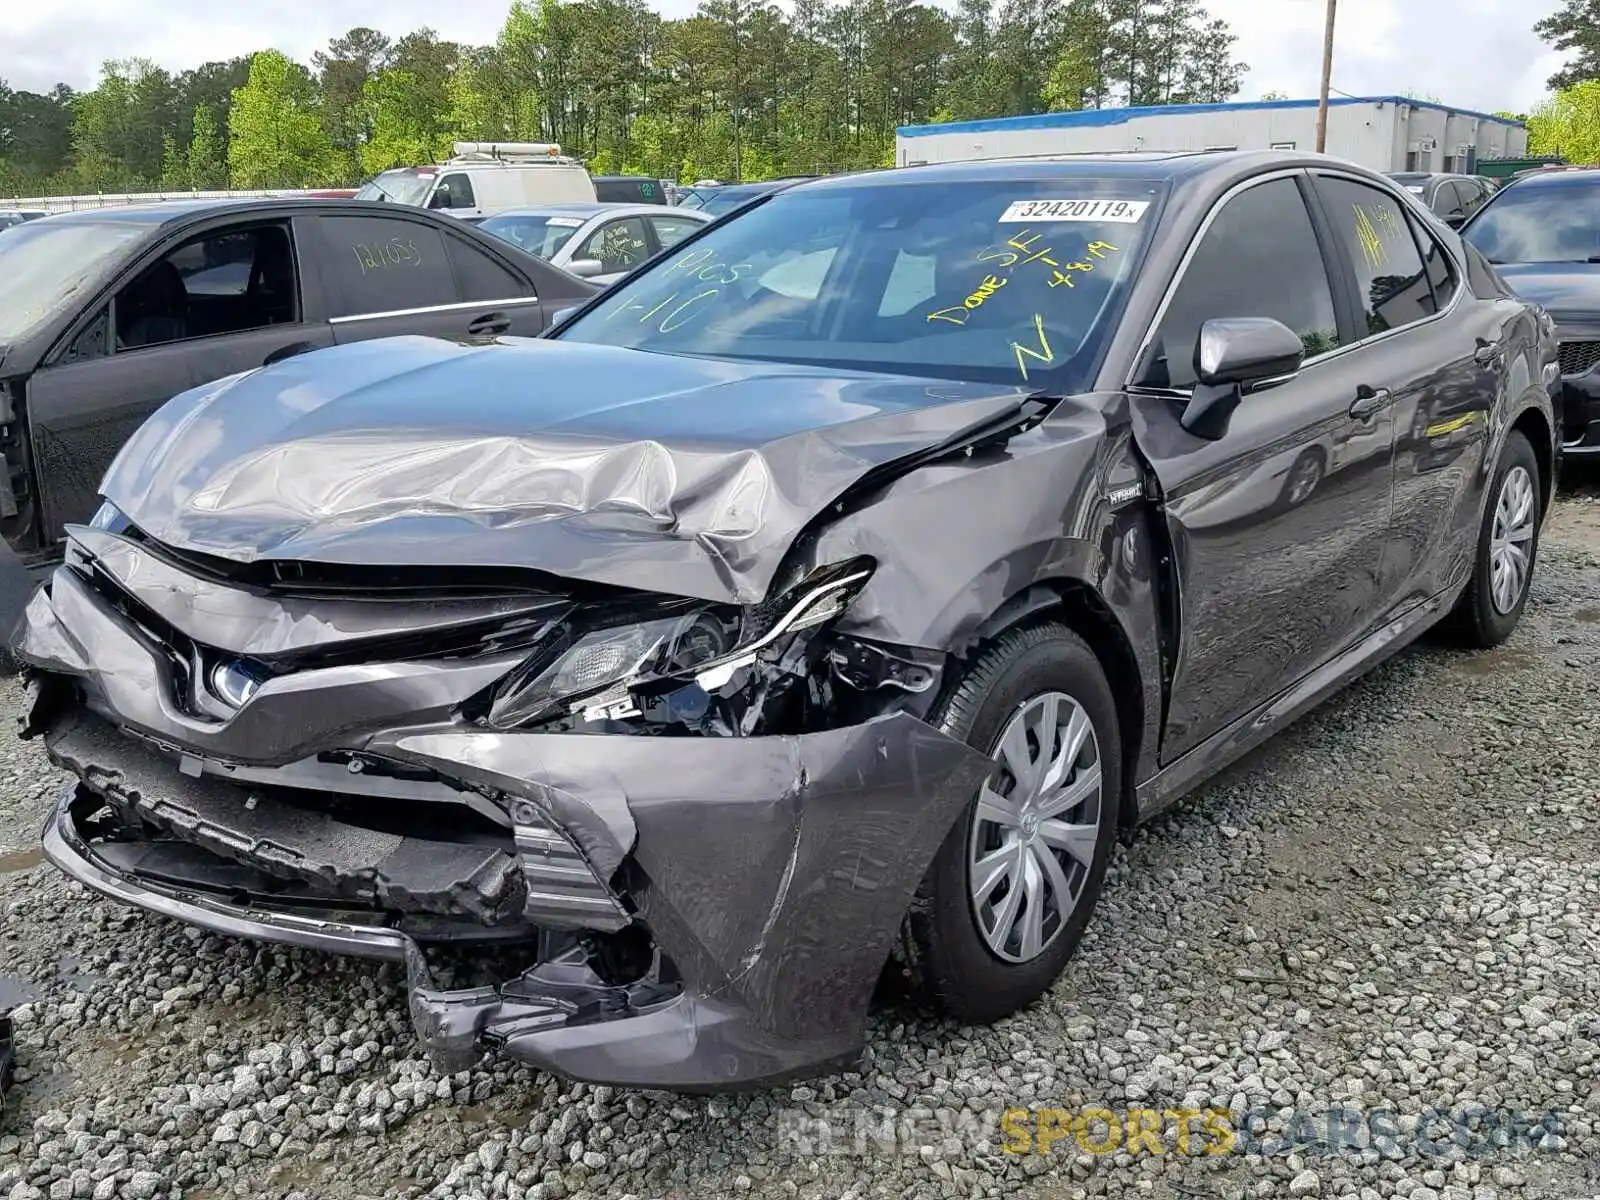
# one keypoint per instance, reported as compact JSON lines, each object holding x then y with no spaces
{"x":598,"y":242}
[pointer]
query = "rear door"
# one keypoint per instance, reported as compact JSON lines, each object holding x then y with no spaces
{"x":1279,"y":526}
{"x":618,"y":245}
{"x":1436,"y":353}
{"x":392,"y":275}
{"x":205,"y":305}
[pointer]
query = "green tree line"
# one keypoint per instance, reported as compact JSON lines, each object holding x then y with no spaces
{"x":741,"y":89}
{"x":1568,"y":123}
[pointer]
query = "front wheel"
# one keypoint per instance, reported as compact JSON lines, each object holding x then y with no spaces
{"x":1508,"y":542}
{"x":1009,"y":893}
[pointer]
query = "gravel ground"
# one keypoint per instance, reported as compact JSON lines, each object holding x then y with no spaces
{"x":1392,"y":906}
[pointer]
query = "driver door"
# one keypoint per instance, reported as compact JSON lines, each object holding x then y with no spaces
{"x":1279,"y":526}
{"x":223,"y":301}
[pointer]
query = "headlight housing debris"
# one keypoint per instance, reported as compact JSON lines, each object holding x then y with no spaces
{"x":668,"y":668}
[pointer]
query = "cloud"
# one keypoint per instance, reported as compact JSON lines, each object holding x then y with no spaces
{"x":1479,"y":54}
{"x":1474,"y":53}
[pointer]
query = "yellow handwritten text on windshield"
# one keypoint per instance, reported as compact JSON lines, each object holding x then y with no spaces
{"x":1043,"y":353}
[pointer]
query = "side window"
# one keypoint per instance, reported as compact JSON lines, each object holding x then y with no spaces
{"x":226,"y":282}
{"x":1452,"y":200}
{"x":378,"y":265}
{"x":1391,"y":283}
{"x":1442,"y":274}
{"x":481,"y":277}
{"x":619,"y":245}
{"x":1258,"y":258}
{"x":672,"y":230}
{"x":454,"y":191}
{"x":1477,"y":194}
{"x":93,"y":340}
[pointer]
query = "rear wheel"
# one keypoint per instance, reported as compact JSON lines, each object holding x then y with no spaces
{"x":1508,"y":542}
{"x":1009,"y":893}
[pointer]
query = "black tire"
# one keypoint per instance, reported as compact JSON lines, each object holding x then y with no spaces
{"x":949,"y":964}
{"x":1477,"y":621}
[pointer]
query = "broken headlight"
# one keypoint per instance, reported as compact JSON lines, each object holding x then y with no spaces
{"x":594,"y":677}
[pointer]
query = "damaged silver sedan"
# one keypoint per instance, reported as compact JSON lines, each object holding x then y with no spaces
{"x":816,"y":602}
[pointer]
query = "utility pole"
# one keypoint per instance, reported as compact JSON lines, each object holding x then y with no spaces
{"x":1327,"y":77}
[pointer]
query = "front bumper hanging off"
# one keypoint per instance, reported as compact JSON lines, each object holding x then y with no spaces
{"x":693,"y":912}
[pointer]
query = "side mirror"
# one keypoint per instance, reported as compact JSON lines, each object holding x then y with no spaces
{"x":1232,"y":354}
{"x":440,"y":199}
{"x":586,"y":268}
{"x":1456,"y":220}
{"x":561,"y":314}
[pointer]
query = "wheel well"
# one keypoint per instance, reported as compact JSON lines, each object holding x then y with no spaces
{"x":1531,"y":424}
{"x":1077,"y":606}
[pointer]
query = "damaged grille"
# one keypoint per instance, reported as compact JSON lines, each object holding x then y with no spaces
{"x":1578,"y":358}
{"x":305,"y":845}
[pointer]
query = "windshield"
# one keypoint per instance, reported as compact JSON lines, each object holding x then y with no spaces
{"x":405,"y":186}
{"x":1542,"y":223}
{"x":696,"y":197}
{"x":995,"y":281}
{"x":46,"y":265}
{"x":542,"y":235}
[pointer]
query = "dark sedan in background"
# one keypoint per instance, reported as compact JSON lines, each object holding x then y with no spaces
{"x":831,"y":588}
{"x":1542,"y":233}
{"x":106,"y":314}
{"x":1451,"y":198}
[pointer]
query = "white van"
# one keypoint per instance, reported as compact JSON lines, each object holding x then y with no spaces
{"x":485,"y":178}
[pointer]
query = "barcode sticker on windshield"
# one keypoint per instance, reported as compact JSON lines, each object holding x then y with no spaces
{"x":1123,"y":212}
{"x":564,"y":222}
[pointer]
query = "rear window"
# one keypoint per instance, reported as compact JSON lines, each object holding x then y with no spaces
{"x":404,"y":186}
{"x":1004,"y":281}
{"x":1541,"y":223}
{"x":628,"y":191}
{"x":541,"y":236}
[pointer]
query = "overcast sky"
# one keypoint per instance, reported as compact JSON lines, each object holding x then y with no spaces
{"x":1477,"y":54}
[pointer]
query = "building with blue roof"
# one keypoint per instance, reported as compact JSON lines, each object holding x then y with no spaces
{"x":1386,"y":133}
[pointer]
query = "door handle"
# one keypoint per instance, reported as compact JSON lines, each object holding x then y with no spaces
{"x":1487,"y":354}
{"x":1370,"y":401}
{"x":489,"y":324}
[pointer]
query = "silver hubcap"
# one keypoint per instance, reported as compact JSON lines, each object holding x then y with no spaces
{"x":1511,"y":539}
{"x":1034,"y":834}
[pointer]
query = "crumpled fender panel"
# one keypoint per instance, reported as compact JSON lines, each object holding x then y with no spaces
{"x":775,"y":870}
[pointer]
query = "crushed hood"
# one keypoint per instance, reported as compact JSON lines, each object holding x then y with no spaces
{"x":682,"y":475}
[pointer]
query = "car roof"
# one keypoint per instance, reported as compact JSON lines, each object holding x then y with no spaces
{"x":1558,"y":177}
{"x":1167,"y":166}
{"x":159,"y":213}
{"x":579,"y":208}
{"x":171,"y":212}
